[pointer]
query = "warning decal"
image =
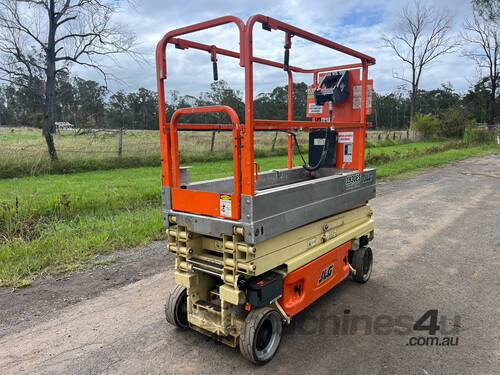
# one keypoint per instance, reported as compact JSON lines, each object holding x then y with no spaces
{"x":225,"y":205}
{"x":348,"y":153}
{"x":313,"y":108}
{"x":356,"y":97}
{"x":346,"y":137}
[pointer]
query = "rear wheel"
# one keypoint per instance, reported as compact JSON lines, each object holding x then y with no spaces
{"x":362,"y":262}
{"x":261,"y":335}
{"x":176,"y":307}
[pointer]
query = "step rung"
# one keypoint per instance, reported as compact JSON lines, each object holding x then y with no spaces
{"x":208,"y":306}
{"x":214,"y":294}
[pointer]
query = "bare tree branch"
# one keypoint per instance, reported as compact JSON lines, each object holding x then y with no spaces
{"x":482,"y":37}
{"x":45,"y":37}
{"x":420,"y":37}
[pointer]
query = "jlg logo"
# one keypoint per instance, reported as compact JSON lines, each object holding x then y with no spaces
{"x":326,"y":273}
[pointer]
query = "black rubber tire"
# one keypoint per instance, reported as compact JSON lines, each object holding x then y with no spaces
{"x":176,"y":307}
{"x":262,"y":327}
{"x":362,"y":262}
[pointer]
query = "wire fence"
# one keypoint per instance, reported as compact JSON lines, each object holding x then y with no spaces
{"x":141,"y":143}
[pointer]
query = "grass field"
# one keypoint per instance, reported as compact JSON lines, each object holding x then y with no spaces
{"x":55,"y":223}
{"x":23,"y":151}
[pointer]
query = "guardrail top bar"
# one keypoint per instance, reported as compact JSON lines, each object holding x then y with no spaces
{"x":295,"y":31}
{"x":246,"y":33}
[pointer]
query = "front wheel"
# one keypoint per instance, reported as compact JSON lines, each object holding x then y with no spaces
{"x":362,"y":262}
{"x":261,"y":335}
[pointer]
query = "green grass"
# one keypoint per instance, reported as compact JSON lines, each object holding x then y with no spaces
{"x":58,"y":223}
{"x":398,"y":167}
{"x":404,"y":147}
{"x":74,"y":241}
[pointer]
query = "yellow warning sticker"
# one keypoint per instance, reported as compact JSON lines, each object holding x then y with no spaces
{"x":225,"y":205}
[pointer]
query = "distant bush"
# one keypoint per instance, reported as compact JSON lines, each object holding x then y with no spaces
{"x":478,"y":135}
{"x":36,"y":120}
{"x":427,"y":124}
{"x":387,"y":142}
{"x":453,"y":121}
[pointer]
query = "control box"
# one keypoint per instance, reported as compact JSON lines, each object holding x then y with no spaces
{"x":262,"y":290}
{"x":319,"y":139}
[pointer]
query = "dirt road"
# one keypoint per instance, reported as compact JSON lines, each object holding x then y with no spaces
{"x":437,"y":248}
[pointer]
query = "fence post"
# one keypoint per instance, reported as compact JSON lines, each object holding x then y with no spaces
{"x":120,"y":142}
{"x":274,"y":141}
{"x":212,"y":142}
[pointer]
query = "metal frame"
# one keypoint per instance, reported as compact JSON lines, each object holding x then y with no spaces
{"x":206,"y":201}
{"x":282,"y":220}
{"x":201,"y":260}
{"x":196,"y":202}
{"x":285,"y":200}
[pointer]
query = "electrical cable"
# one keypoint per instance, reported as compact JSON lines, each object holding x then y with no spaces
{"x":324,"y":152}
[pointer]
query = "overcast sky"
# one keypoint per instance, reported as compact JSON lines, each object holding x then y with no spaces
{"x":358,"y":24}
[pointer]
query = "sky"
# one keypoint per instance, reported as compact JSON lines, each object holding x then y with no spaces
{"x":358,"y":24}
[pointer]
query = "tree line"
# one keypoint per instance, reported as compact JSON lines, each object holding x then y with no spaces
{"x":454,"y":110}
{"x":88,"y":104}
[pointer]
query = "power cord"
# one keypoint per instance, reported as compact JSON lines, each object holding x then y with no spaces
{"x":324,"y":152}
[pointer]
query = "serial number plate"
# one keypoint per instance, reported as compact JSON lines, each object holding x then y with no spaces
{"x":353,"y":181}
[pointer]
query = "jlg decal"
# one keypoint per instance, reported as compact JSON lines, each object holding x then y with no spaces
{"x":326,"y":273}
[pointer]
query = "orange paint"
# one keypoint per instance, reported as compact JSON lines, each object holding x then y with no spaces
{"x":203,"y":203}
{"x":309,"y":282}
{"x":245,"y":175}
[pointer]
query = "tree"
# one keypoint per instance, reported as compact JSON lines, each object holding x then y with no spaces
{"x":427,"y":124}
{"x":437,"y":100}
{"x":390,"y":111}
{"x":90,"y":96}
{"x":118,"y":112}
{"x":482,"y":35}
{"x":476,"y":100}
{"x":420,"y":37}
{"x":221,"y":94}
{"x":44,"y":37}
{"x":453,"y":122}
{"x":65,"y":97}
{"x":5,"y":112}
{"x":144,"y":108}
{"x":24,"y":100}
{"x":177,"y":101}
{"x":489,"y":9}
{"x":274,"y":105}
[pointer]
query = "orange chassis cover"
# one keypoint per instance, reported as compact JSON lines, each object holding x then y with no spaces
{"x":309,"y":282}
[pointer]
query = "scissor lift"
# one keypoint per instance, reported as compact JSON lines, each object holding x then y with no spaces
{"x":255,"y":249}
